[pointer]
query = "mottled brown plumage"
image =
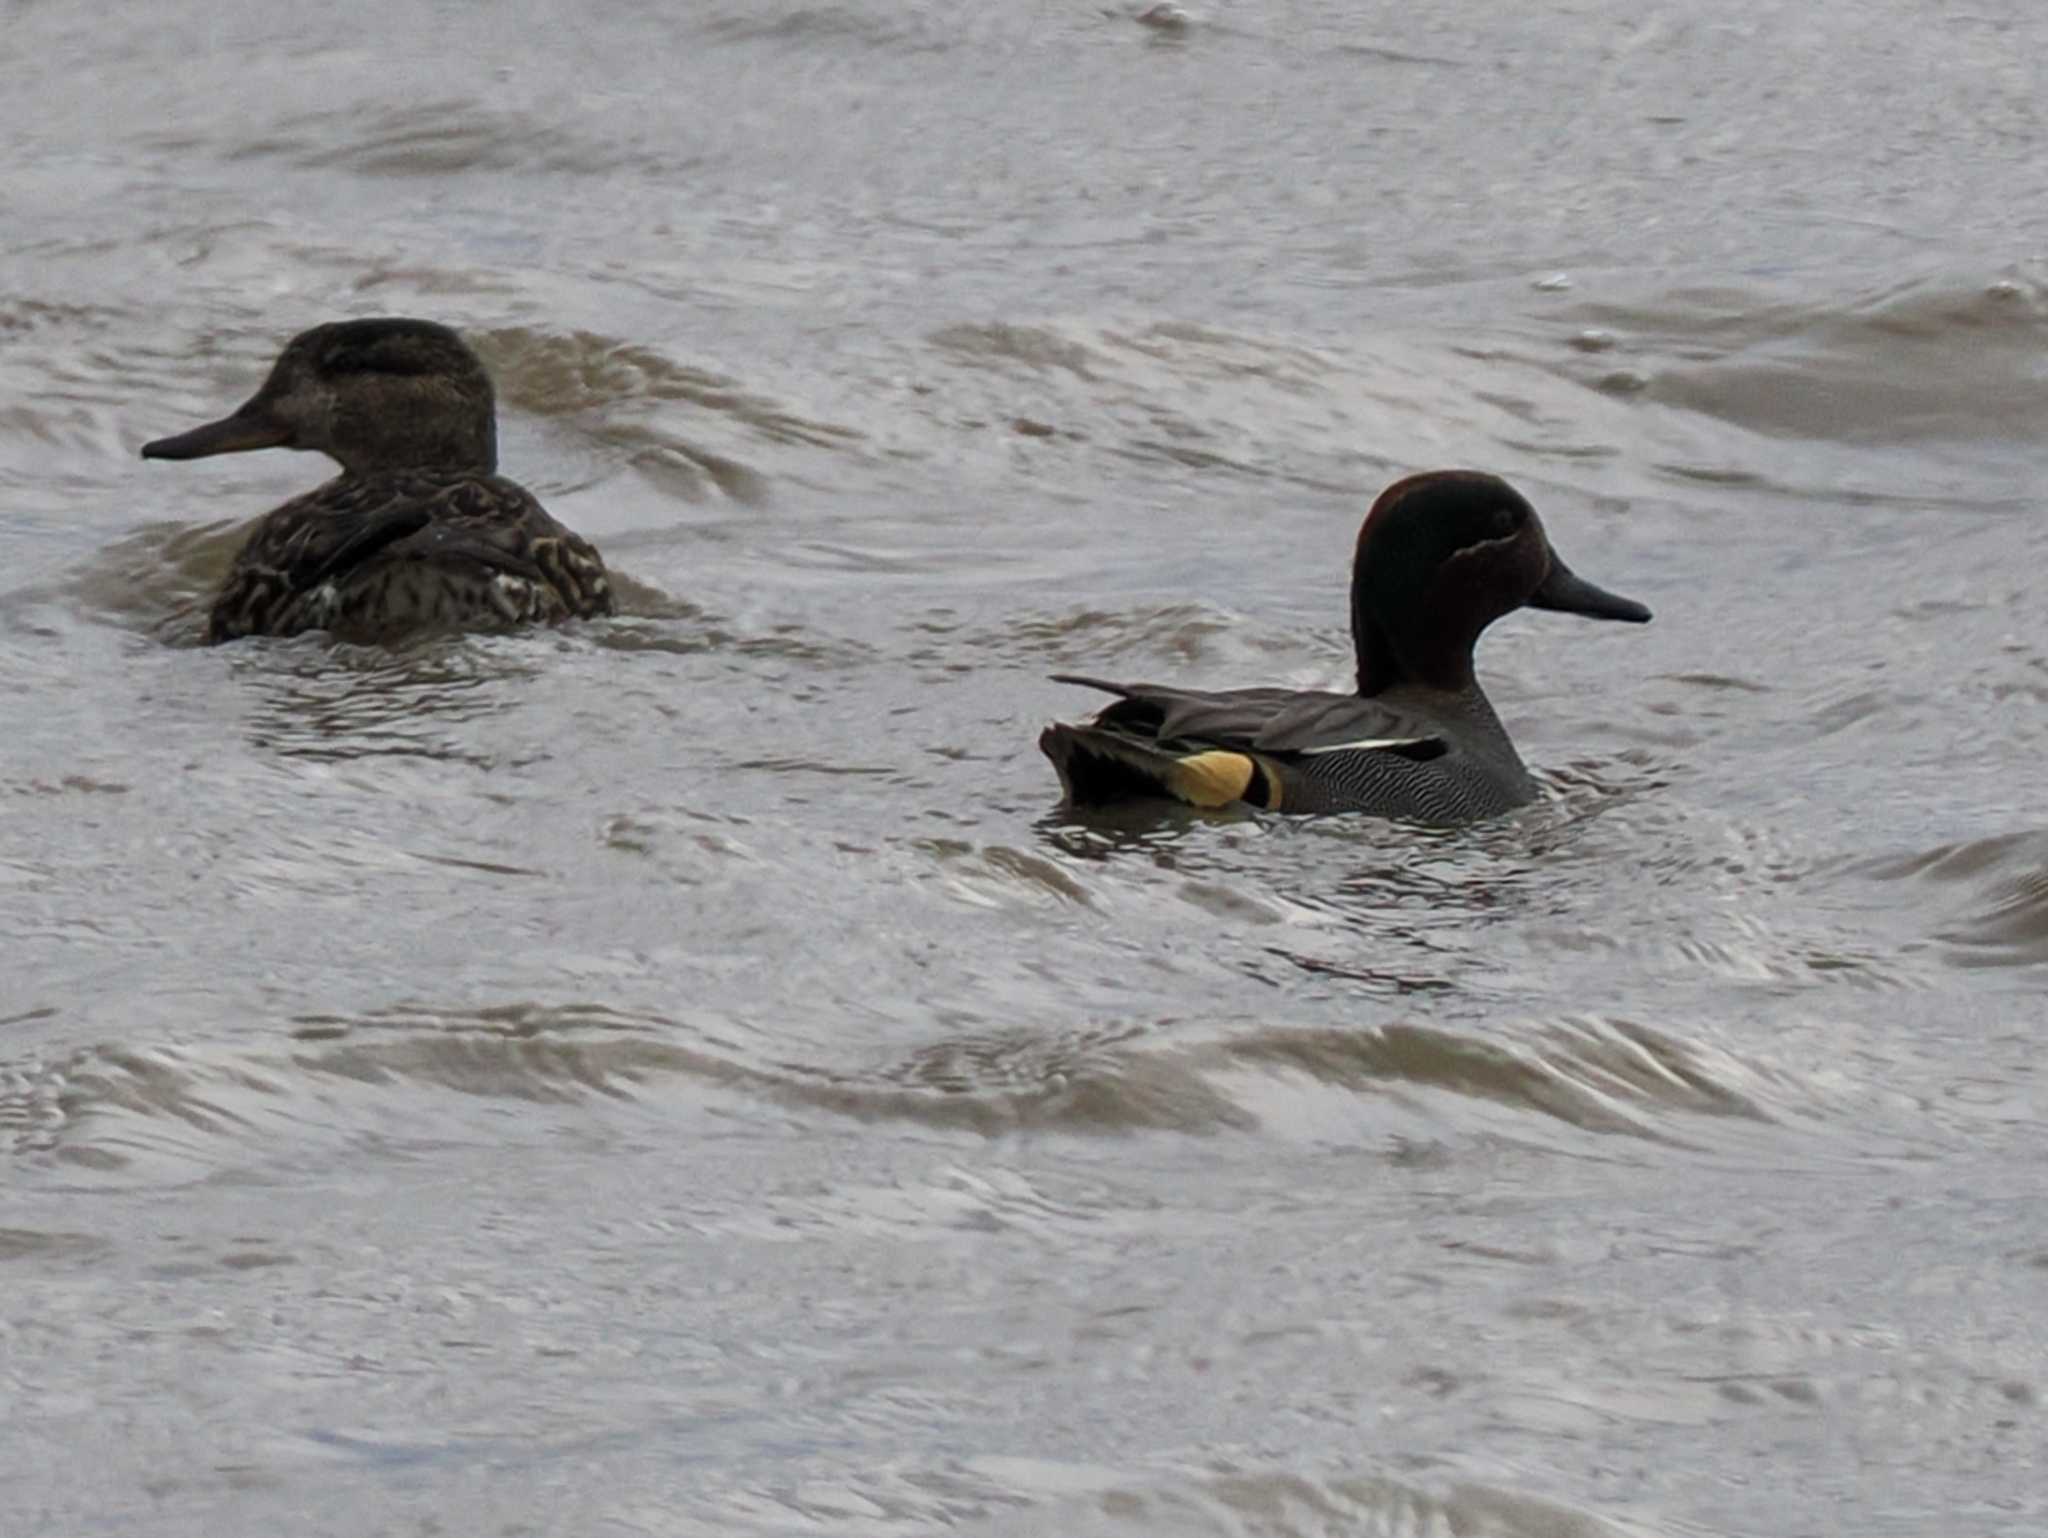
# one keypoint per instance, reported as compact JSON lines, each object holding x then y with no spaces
{"x":418,"y":532}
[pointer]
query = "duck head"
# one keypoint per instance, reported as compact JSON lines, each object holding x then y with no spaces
{"x":369,"y":394}
{"x":1440,"y":557}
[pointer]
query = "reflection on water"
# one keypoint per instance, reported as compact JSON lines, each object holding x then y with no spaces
{"x":114,"y":1109}
{"x":161,"y":578}
{"x":686,"y":1073}
{"x":338,"y":702}
{"x":1959,"y":364}
{"x":2003,"y":917}
{"x":1094,"y":1503}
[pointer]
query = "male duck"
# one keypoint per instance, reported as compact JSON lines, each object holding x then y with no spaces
{"x":1440,"y":557}
{"x":418,"y":531}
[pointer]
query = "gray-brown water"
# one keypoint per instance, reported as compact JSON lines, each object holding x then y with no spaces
{"x":683,"y":1075}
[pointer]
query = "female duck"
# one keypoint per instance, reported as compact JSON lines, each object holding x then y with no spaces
{"x":1440,"y":557}
{"x":418,"y":532}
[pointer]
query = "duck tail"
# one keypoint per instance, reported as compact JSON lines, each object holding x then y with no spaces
{"x":1098,"y":767}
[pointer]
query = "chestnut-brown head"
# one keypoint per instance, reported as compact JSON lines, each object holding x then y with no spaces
{"x":370,"y":394}
{"x":1440,"y":557}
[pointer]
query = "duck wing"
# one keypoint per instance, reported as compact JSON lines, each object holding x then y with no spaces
{"x":338,"y":528}
{"x":314,"y":560}
{"x":1267,"y":720}
{"x":499,"y":524}
{"x":328,"y":531}
{"x":311,"y":540}
{"x":331,"y":536}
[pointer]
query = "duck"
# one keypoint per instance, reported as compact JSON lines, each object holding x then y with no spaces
{"x":1440,"y":556}
{"x":419,"y":532}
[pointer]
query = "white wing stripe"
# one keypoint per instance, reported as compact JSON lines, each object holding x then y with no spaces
{"x":1362,"y":745}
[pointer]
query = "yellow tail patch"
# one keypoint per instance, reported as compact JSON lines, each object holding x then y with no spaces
{"x":1217,"y":778}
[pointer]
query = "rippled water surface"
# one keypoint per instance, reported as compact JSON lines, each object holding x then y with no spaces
{"x":685,"y":1075}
